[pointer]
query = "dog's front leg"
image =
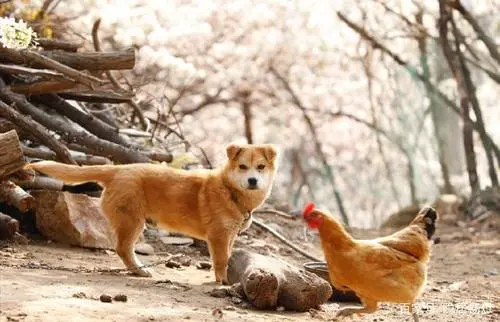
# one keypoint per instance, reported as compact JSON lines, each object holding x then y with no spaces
{"x":219,"y":245}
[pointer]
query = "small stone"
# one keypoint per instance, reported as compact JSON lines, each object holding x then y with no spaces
{"x":458,"y":286}
{"x":280,"y":309}
{"x":217,"y":313}
{"x":236,"y":300}
{"x":144,"y":249}
{"x":105,"y":298}
{"x":120,"y":298}
{"x":219,"y":292}
{"x":437,"y":240}
{"x":230,"y":308}
{"x":491,"y":272}
{"x":173,"y":264}
{"x":185,"y":260}
{"x":80,"y":295}
{"x":177,"y":240}
{"x":204,"y":265}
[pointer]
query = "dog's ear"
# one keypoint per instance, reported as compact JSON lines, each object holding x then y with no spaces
{"x":270,"y":152}
{"x":232,"y":151}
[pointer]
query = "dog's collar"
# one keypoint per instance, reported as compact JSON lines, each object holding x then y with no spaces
{"x":247,"y":214}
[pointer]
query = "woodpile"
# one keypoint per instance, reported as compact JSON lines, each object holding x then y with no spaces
{"x":61,"y":102}
{"x":45,"y":96}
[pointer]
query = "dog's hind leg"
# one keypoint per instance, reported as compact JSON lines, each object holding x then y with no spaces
{"x":128,"y":221}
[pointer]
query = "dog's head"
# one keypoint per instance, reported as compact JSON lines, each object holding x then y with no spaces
{"x":251,"y":166}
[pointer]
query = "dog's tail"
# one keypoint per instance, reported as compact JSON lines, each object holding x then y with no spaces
{"x":75,"y":174}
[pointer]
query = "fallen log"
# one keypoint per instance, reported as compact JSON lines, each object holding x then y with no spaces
{"x":115,"y":60}
{"x":269,"y":282}
{"x":11,"y":155}
{"x":8,"y":227}
{"x":15,"y":196}
{"x":34,"y":128}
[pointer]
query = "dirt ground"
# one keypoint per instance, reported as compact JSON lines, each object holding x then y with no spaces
{"x":44,"y":281}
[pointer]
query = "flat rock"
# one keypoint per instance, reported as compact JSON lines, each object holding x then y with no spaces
{"x":144,"y":249}
{"x":73,"y":219}
{"x":170,"y":240}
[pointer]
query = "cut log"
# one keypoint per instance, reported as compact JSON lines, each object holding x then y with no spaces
{"x":8,"y":227}
{"x":16,"y":196}
{"x":11,"y":154}
{"x":116,"y":60}
{"x":269,"y":282}
{"x":73,"y":219}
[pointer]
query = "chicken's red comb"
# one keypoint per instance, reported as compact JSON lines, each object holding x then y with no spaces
{"x":308,"y":209}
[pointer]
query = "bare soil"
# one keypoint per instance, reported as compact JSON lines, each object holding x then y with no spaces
{"x":44,"y":281}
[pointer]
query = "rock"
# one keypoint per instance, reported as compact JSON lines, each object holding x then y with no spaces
{"x":229,"y":308}
{"x":8,"y":226}
{"x":219,"y":292}
{"x":144,"y":249}
{"x":80,"y":295}
{"x":457,"y":286}
{"x":73,"y":219}
{"x":491,"y":272}
{"x":204,"y":265}
{"x":184,"y":260}
{"x":236,"y":300}
{"x":120,"y":298}
{"x":173,"y":264}
{"x":177,"y":240}
{"x":105,"y":298}
{"x":280,"y":309}
{"x":217,"y":313}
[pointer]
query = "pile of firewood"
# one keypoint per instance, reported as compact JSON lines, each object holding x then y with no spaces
{"x":57,"y":103}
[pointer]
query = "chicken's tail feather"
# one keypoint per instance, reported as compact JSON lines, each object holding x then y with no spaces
{"x":427,"y":217}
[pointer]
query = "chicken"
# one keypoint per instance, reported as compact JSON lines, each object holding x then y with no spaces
{"x":388,"y":269}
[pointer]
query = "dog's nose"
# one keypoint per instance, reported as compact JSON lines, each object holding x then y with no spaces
{"x":252,"y":182}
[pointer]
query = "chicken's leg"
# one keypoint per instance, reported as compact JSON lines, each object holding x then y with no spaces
{"x":370,"y":306}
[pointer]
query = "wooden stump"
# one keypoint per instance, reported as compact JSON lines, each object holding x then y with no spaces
{"x":270,"y":282}
{"x":11,"y":154}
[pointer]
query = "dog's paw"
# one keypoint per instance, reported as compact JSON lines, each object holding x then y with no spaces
{"x":142,"y":272}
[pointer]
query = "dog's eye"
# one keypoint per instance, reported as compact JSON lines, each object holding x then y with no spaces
{"x":243,"y":167}
{"x":261,"y":167}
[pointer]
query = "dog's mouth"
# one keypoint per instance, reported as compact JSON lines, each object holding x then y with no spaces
{"x":252,"y":188}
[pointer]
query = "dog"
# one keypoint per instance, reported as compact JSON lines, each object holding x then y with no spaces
{"x":211,"y":205}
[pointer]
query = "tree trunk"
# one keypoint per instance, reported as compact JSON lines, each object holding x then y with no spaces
{"x":453,"y":62}
{"x":247,"y":113}
{"x":433,"y":105}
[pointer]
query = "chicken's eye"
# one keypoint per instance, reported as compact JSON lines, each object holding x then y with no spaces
{"x":261,"y":167}
{"x":243,"y":167}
